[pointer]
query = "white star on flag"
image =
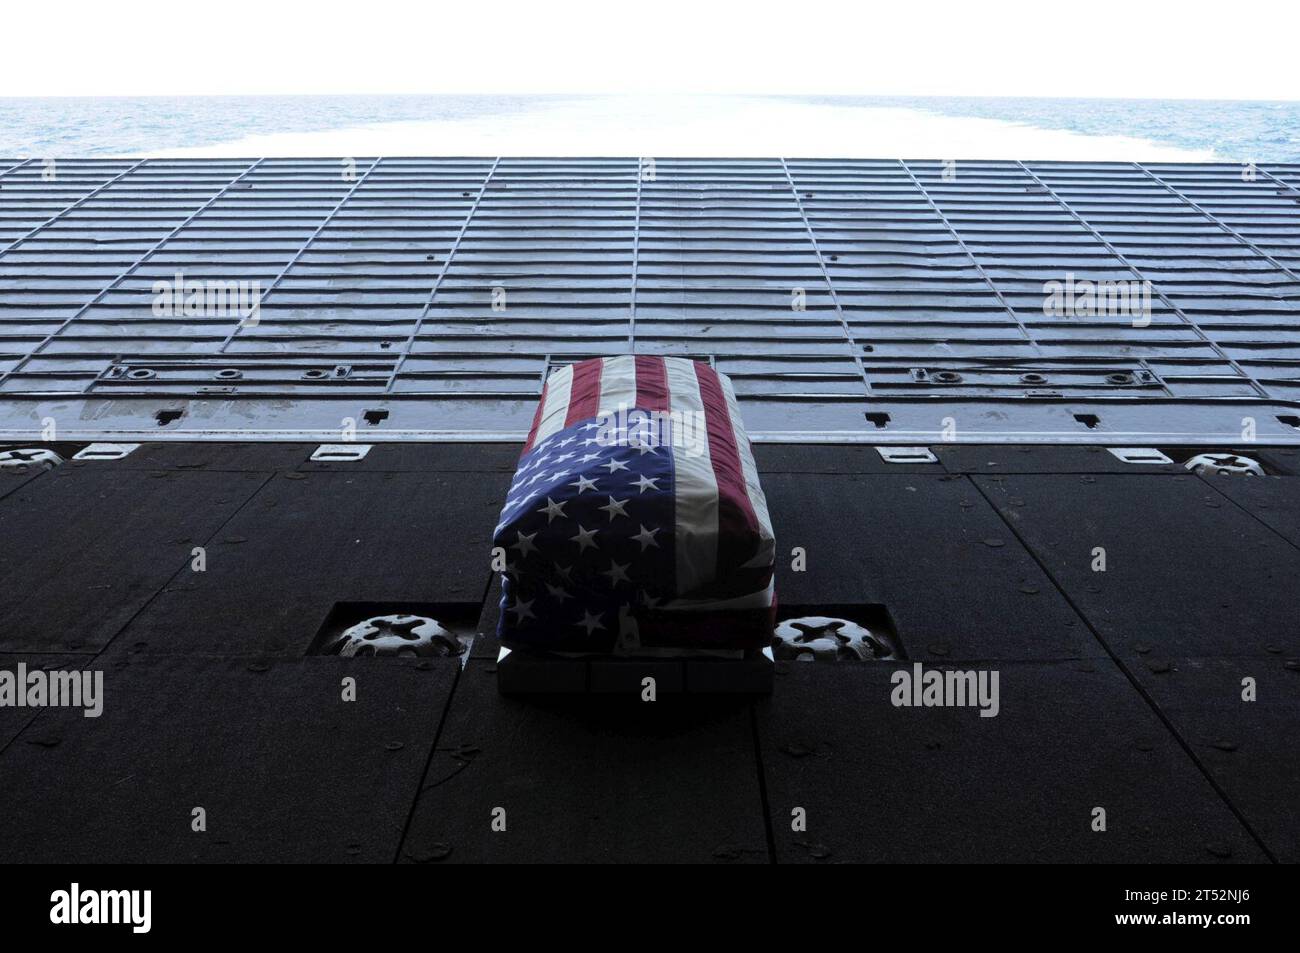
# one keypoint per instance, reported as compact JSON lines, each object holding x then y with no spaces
{"x":616,"y":573}
{"x":551,"y":509}
{"x":614,"y":508}
{"x":590,"y":622}
{"x":585,"y":538}
{"x":523,"y":609}
{"x":646,"y":537}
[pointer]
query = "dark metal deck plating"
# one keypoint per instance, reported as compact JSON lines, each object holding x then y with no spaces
{"x":1121,"y":689}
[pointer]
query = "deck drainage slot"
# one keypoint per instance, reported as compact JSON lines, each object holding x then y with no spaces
{"x":164,"y":417}
{"x":880,"y":420}
{"x":907,"y":455}
{"x":141,"y":374}
{"x":105,"y":451}
{"x":946,"y":377}
{"x":422,"y":629}
{"x":840,"y":632}
{"x":315,"y":374}
{"x":374,"y":417}
{"x":1033,"y":379}
{"x":1138,"y":455}
{"x":1119,"y":380}
{"x":1091,"y":421}
{"x":340,"y":452}
{"x":229,"y":374}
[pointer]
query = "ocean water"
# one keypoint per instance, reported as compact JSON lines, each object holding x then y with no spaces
{"x":148,"y":125}
{"x":909,"y":127}
{"x":1234,"y":130}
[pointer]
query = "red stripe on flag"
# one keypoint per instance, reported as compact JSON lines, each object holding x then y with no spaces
{"x":537,"y":422}
{"x":736,"y":518}
{"x":651,"y":383}
{"x":584,"y":393}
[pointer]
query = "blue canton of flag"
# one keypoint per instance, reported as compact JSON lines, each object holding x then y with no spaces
{"x":589,"y":538}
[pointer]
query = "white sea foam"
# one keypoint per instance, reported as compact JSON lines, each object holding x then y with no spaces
{"x":704,"y":126}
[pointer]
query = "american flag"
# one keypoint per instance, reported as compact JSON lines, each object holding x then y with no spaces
{"x":635,"y":521}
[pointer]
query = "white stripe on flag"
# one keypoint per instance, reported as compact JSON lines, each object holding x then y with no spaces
{"x":695,"y":489}
{"x":689,"y":400}
{"x":556,"y":410}
{"x":617,"y":385}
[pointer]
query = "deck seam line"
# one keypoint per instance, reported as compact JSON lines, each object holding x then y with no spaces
{"x":99,"y":296}
{"x":73,"y":207}
{"x":1124,"y":669}
{"x":768,"y":828}
{"x":636,"y":254}
{"x":206,"y":544}
{"x":16,"y":166}
{"x":413,"y":339}
{"x":458,"y":673}
{"x":852,"y":344}
{"x":1240,"y":506}
{"x":92,"y":658}
{"x":1123,"y":259}
{"x":262,"y":296}
{"x":961,"y":242}
{"x":1220,"y":223}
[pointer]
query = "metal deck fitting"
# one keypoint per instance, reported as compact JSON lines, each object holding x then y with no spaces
{"x":440,"y":291}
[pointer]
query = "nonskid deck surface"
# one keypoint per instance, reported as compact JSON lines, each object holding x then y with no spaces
{"x":1120,"y":689}
{"x":430,"y":297}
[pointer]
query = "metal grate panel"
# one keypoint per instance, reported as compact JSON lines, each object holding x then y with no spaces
{"x":444,"y":289}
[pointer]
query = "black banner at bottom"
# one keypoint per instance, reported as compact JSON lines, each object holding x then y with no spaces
{"x":139,"y":904}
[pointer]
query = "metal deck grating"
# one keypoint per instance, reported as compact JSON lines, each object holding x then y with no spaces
{"x":922,"y":293}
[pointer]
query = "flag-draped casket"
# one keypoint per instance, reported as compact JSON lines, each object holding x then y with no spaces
{"x":635,"y":521}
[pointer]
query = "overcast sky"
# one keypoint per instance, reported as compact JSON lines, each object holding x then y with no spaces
{"x":919,"y":47}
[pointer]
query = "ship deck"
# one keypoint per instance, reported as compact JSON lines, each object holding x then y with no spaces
{"x":414,"y":306}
